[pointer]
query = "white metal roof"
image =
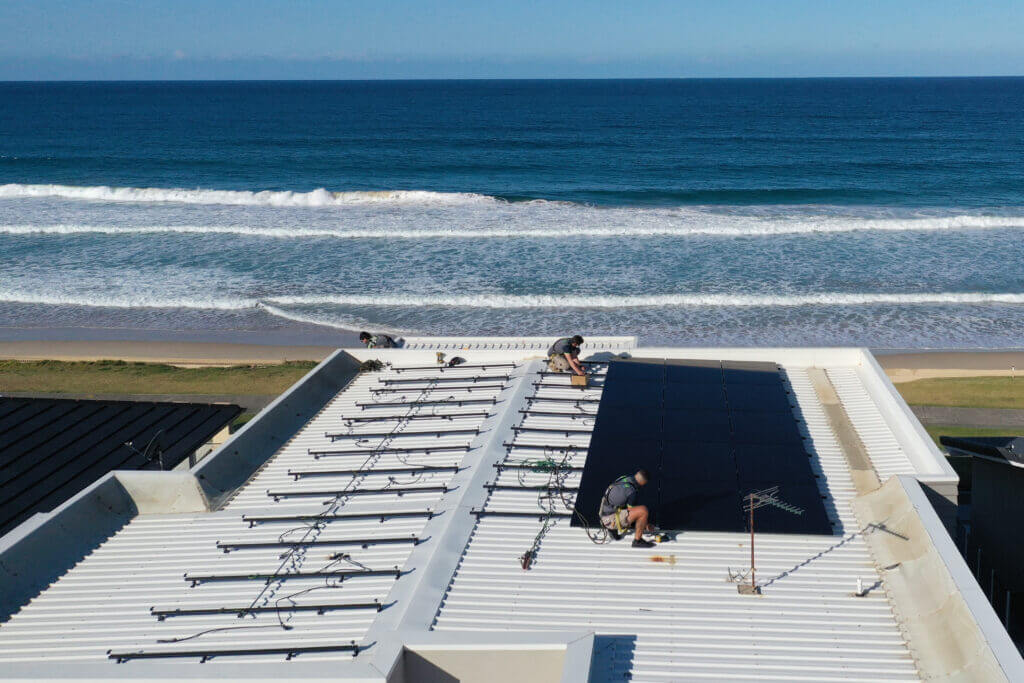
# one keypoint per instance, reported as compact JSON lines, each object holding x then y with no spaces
{"x":684,"y":619}
{"x":105,"y":602}
{"x":669,"y":613}
{"x":884,"y":449}
{"x":590,"y":344}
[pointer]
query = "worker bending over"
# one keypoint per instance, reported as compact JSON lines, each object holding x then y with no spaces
{"x":563,"y":356}
{"x":377,"y":341}
{"x":618,"y":512}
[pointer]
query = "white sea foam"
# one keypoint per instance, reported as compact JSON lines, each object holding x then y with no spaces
{"x":134,"y":300}
{"x":274,"y":305}
{"x":319,"y":197}
{"x":642,"y":229}
{"x":655,"y":300}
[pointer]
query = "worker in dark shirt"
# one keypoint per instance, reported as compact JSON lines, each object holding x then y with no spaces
{"x":618,"y":512}
{"x":563,"y":356}
{"x":377,"y":341}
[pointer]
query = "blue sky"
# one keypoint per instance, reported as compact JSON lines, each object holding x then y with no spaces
{"x":154,"y":39}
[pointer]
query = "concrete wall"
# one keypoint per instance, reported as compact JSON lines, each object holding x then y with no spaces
{"x":41,"y":549}
{"x":47,"y":545}
{"x":492,"y":666}
{"x":949,"y":625}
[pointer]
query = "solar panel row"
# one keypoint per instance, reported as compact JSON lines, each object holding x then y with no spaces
{"x":50,"y":449}
{"x":709,"y":432}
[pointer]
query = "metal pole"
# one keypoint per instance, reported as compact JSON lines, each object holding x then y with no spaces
{"x":753,"y":582}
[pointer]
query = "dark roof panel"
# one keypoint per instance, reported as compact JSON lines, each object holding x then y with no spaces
{"x":1009,"y":449}
{"x":50,"y":449}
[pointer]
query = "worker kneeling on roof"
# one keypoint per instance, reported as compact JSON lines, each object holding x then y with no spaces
{"x":563,"y":356}
{"x":618,"y":512}
{"x":377,"y":341}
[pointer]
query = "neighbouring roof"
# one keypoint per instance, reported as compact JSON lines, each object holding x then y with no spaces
{"x":1007,"y":450}
{"x":50,"y":449}
{"x":404,"y":505}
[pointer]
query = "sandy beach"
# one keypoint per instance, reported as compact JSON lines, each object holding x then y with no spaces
{"x":910,"y":365}
{"x":903,"y":366}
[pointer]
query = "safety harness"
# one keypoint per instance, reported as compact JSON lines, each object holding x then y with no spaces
{"x":604,"y":499}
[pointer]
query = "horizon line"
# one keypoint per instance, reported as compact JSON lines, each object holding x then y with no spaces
{"x":507,"y":78}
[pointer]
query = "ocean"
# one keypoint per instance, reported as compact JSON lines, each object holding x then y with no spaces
{"x":878,"y":212}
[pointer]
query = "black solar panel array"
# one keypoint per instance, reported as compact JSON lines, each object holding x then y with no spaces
{"x":709,"y":432}
{"x":50,"y":449}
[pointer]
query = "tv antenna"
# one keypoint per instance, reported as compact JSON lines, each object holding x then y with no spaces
{"x":154,"y":450}
{"x":754,"y":500}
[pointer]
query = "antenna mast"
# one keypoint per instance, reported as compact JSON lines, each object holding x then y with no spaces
{"x":755,"y":500}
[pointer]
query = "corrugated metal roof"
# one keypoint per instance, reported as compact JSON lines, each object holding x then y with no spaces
{"x":513,"y":343}
{"x":883,"y":448}
{"x":670,"y":613}
{"x":50,"y":449}
{"x":105,"y":602}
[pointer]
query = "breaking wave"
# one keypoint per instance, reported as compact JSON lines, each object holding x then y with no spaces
{"x":654,"y":301}
{"x":273,"y":305}
{"x":318,"y":197}
{"x":731,"y":227}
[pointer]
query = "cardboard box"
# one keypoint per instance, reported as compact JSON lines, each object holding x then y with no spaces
{"x":578,"y":380}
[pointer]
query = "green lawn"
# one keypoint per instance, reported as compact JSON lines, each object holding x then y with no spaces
{"x":119,"y":377}
{"x":965,"y":392}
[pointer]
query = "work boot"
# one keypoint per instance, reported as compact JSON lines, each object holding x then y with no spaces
{"x":642,"y":543}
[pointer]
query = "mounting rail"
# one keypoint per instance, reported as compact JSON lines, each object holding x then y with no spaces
{"x":434,"y":380}
{"x":384,"y":470}
{"x":162,"y":614}
{"x":468,"y":388}
{"x":463,"y":366}
{"x":364,"y":542}
{"x":399,"y":490}
{"x":441,"y":402}
{"x":432,"y":416}
{"x":381,"y":435}
{"x":342,"y":574}
{"x":371,"y":451}
{"x":204,"y":655}
{"x":267,"y":519}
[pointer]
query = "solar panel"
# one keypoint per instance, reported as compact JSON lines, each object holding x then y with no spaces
{"x":693,"y":372}
{"x":787,"y":463}
{"x":50,"y":449}
{"x":707,"y":507}
{"x":695,"y":395}
{"x":697,"y":462}
{"x":709,"y":432}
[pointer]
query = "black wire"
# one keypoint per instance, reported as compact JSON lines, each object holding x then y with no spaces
{"x":314,"y":527}
{"x":222,"y":628}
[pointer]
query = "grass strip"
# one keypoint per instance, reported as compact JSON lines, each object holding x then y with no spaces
{"x":965,"y":392}
{"x":121,"y":377}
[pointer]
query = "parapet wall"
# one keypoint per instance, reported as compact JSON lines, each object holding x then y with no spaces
{"x":238,"y":458}
{"x":953,"y":632}
{"x":39,"y":551}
